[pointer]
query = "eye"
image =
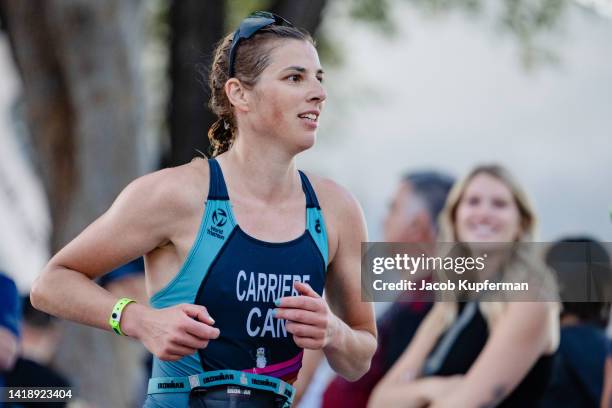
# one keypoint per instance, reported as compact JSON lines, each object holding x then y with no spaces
{"x":472,"y":200}
{"x":294,"y":78}
{"x":499,"y":203}
{"x":320,"y":79}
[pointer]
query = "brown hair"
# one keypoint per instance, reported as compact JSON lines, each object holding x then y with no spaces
{"x":252,"y":57}
{"x":528,"y":218}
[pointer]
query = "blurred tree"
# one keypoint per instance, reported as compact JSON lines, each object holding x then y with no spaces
{"x":306,"y":14}
{"x":195,"y":28}
{"x":79,"y":65}
{"x":526,"y":21}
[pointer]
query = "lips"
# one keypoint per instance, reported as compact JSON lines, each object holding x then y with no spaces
{"x":483,"y":231}
{"x":310,"y":115}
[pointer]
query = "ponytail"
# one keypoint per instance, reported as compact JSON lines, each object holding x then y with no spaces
{"x":220,"y":135}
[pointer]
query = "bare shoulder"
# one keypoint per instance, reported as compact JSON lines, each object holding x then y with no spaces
{"x":162,"y":203}
{"x":336,"y":199}
{"x":344,"y":219}
{"x":533,"y":320}
{"x":172,"y":189}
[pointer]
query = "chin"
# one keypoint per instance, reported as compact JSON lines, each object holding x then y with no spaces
{"x":305,"y":142}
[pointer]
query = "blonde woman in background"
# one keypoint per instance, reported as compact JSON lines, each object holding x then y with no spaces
{"x":475,"y":353}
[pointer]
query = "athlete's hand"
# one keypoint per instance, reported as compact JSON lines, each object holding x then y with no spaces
{"x":308,"y":317}
{"x":171,"y":333}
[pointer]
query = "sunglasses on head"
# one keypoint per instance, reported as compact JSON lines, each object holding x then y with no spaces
{"x":248,"y":27}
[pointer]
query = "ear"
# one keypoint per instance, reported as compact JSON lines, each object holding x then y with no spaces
{"x":237,"y":94}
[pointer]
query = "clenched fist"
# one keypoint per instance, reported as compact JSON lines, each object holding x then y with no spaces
{"x":171,"y":333}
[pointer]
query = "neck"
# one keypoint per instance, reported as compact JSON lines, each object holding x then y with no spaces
{"x":260,"y":170}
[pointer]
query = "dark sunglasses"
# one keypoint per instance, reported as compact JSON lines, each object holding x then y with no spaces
{"x":248,"y":27}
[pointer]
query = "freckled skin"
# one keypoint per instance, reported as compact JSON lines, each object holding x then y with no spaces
{"x":277,"y":109}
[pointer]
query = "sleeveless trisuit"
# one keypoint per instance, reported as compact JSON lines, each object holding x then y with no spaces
{"x":238,"y":278}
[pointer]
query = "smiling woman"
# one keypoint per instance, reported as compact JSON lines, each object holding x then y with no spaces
{"x":243,"y":237}
{"x":477,"y":352}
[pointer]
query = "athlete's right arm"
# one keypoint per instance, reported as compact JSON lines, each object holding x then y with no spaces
{"x":140,"y":220}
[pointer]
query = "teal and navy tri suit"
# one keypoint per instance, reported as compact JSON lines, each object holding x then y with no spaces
{"x":238,"y":278}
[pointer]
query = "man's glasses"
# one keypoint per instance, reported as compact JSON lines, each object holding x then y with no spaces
{"x":248,"y":27}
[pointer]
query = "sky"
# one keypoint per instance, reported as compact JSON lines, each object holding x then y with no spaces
{"x":448,"y":93}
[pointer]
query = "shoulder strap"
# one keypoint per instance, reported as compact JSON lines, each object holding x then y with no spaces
{"x":311,"y":197}
{"x":315,"y":223}
{"x":217,"y":189}
{"x":437,"y":357}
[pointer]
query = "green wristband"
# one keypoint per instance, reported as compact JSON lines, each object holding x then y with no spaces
{"x":115,"y":317}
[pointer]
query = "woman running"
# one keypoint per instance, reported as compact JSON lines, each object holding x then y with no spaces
{"x":481,"y":353}
{"x":237,"y":248}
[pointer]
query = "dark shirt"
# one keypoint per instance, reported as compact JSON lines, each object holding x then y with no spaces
{"x":577,"y":379}
{"x":462,"y":343}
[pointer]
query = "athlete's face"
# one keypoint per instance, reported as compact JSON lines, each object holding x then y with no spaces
{"x":289,"y":96}
{"x":487,"y":212}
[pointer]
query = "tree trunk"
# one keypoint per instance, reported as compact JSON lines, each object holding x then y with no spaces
{"x":78,"y":60}
{"x":196,"y":27}
{"x":49,"y":109}
{"x":305,"y":14}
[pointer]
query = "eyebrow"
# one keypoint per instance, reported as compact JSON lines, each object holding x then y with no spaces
{"x":302,"y":69}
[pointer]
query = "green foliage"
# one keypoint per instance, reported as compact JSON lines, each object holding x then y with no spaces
{"x":375,"y":12}
{"x":157,"y":26}
{"x":329,"y":51}
{"x":526,"y":20}
{"x":238,"y":9}
{"x":434,"y":7}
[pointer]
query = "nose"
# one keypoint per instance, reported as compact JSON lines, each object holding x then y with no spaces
{"x":484,"y":212}
{"x":318,"y":92}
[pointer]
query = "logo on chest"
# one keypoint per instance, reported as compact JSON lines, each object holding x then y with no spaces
{"x":219,"y":219}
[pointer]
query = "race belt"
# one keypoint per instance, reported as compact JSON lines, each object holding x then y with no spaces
{"x":159,"y":385}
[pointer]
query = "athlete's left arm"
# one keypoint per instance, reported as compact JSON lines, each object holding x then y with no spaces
{"x":353,"y":337}
{"x":341,"y":324}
